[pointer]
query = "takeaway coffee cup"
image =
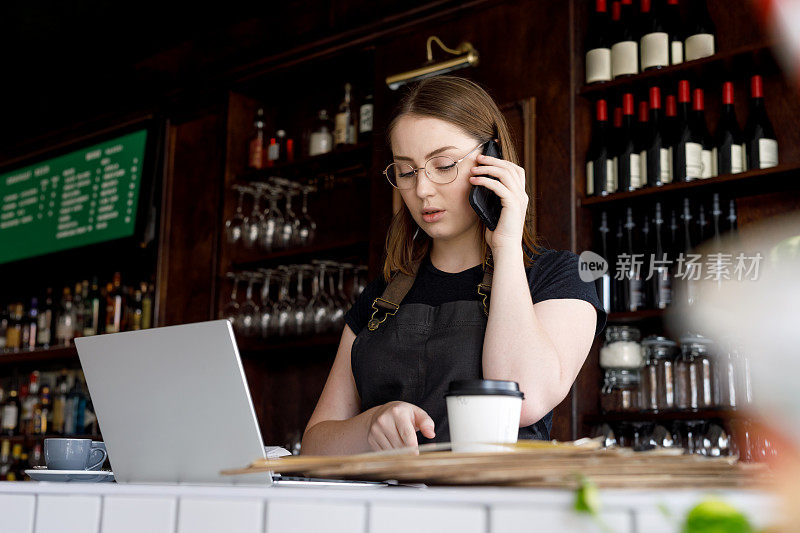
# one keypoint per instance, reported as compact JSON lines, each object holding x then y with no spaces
{"x":74,"y":454}
{"x":482,"y":411}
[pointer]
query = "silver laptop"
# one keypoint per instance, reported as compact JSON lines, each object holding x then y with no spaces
{"x":173,"y":404}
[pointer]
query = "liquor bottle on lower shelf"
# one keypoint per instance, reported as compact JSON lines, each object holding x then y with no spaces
{"x":65,"y":324}
{"x":46,"y":323}
{"x":633,"y":288}
{"x":687,"y":248}
{"x":655,"y":156}
{"x":5,"y":459}
{"x":598,"y":45}
{"x":114,"y":305}
{"x":729,"y":147}
{"x":762,"y":145}
{"x":701,"y":34}
{"x":605,"y":283}
{"x":93,"y":319}
{"x":661,"y":288}
{"x":366,"y":115}
{"x":59,"y":404}
{"x":14,"y":330}
{"x":32,"y":326}
{"x":625,"y":46}
{"x":599,"y":161}
{"x":11,"y":409}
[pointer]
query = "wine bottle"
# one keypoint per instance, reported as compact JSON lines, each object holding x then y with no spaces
{"x":699,"y":117}
{"x":642,"y":133}
{"x":598,"y":45}
{"x":654,"y":44}
{"x":729,"y":145}
{"x":701,"y":33}
{"x":624,"y":48}
{"x":605,"y":282}
{"x":632,"y":284}
{"x":762,"y":145}
{"x":674,"y":26}
{"x":661,"y":281}
{"x":655,"y":159}
{"x":626,"y":158}
{"x":644,"y":248}
{"x":619,"y":286}
{"x":702,"y":225}
{"x":599,"y":162}
{"x":687,"y":147}
{"x":687,"y":248}
{"x":671,"y":115}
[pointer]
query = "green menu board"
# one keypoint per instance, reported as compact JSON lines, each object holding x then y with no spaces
{"x":82,"y":197}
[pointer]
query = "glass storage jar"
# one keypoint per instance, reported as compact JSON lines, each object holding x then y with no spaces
{"x":620,"y":392}
{"x":622,"y":348}
{"x":657,"y":379}
{"x":694,"y":374}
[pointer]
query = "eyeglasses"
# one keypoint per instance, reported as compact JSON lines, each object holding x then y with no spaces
{"x":440,"y":169}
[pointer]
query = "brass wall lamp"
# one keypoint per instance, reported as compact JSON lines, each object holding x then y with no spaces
{"x":466,"y":56}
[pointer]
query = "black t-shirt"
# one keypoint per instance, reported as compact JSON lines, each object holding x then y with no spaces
{"x":554,"y":275}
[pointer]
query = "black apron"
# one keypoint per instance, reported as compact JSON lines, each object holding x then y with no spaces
{"x":412,"y":352}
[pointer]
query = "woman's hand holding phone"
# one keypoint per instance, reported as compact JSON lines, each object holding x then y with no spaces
{"x":395,"y":425}
{"x":510,"y":187}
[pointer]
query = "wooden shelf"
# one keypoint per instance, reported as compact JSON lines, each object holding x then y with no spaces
{"x":667,"y":416}
{"x":242,"y":258}
{"x":329,"y":162}
{"x":744,"y":59}
{"x":636,"y":316}
{"x":742,"y":184}
{"x":64,"y":354}
{"x":250,"y":347}
{"x":28,"y":438}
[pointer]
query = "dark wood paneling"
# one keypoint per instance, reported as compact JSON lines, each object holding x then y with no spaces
{"x":190,"y":226}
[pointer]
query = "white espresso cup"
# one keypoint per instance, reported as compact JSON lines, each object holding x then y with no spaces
{"x":481,"y":412}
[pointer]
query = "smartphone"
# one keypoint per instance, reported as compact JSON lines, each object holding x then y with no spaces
{"x":484,"y":201}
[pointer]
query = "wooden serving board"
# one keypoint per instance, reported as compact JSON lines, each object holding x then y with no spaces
{"x":527,"y":463}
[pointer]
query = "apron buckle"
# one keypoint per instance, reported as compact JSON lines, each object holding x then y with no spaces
{"x":484,"y":289}
{"x":390,"y":308}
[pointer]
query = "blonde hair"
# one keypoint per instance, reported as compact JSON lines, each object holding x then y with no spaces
{"x":468,"y":106}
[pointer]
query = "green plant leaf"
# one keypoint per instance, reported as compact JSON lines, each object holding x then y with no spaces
{"x":716,"y":516}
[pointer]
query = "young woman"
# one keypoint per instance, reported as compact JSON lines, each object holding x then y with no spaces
{"x":535,"y":327}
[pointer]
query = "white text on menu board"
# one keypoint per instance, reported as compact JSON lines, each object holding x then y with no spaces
{"x":86,"y":203}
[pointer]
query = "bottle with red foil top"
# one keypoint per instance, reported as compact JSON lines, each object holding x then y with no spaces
{"x":671,"y":122}
{"x":599,"y":163}
{"x":626,"y":158}
{"x":642,"y":130}
{"x":729,"y":147}
{"x":654,"y":43}
{"x":257,"y":150}
{"x":687,"y":146}
{"x":625,"y":45}
{"x":655,"y":158}
{"x":762,"y":145}
{"x":598,"y":45}
{"x":709,"y":169}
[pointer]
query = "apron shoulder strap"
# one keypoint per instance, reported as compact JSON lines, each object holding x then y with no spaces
{"x":389,"y":302}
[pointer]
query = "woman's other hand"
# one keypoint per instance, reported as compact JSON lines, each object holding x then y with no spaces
{"x":395,"y":425}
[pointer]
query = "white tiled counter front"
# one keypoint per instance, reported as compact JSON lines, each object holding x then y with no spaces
{"x":30,"y":507}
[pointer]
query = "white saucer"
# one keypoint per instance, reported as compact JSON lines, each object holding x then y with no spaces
{"x":66,"y":476}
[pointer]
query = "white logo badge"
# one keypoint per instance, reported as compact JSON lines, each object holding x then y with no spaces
{"x":591,"y":266}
